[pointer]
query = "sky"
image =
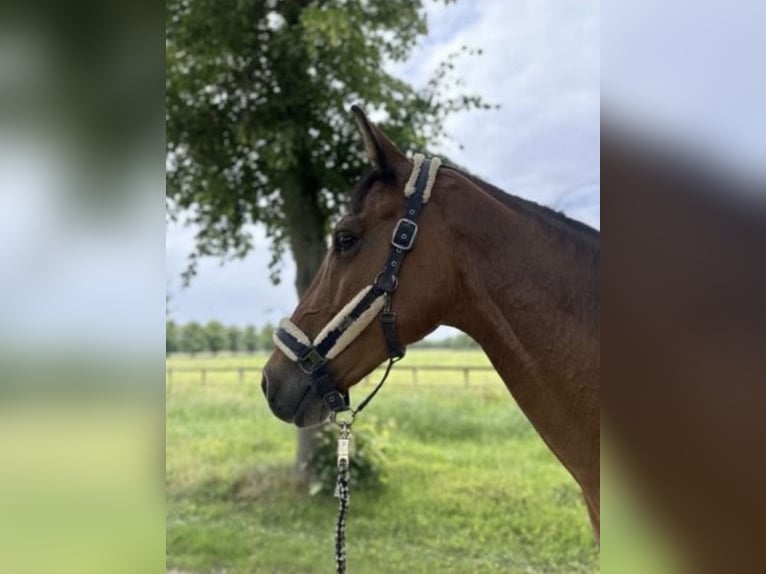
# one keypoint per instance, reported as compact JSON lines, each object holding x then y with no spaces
{"x":78,"y":272}
{"x":691,"y":72}
{"x":540,"y":63}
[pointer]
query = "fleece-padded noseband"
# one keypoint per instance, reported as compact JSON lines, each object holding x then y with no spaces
{"x":372,"y":301}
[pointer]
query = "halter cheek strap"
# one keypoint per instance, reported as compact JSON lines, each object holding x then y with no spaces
{"x":374,"y":300}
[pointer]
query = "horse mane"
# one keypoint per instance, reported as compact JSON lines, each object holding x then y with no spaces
{"x":555,"y":220}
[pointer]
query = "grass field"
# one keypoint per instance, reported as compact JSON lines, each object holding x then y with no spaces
{"x":470,"y":486}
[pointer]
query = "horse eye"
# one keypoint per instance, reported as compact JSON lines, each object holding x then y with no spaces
{"x":344,"y":241}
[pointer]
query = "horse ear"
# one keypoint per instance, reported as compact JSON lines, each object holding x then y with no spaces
{"x":381,"y":151}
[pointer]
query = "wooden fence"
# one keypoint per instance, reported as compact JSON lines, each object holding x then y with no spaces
{"x":414,"y":371}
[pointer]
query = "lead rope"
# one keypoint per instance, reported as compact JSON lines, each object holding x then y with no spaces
{"x":342,"y":485}
{"x":343,"y":493}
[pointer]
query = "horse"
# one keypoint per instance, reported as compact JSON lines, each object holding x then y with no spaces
{"x":519,"y":278}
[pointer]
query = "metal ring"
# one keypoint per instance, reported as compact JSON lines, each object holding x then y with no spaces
{"x":315,"y":358}
{"x":346,"y":420}
{"x":394,"y":287}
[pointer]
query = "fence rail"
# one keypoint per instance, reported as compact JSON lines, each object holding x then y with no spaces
{"x":413,"y":370}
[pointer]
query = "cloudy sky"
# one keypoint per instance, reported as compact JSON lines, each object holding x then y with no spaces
{"x":540,"y":62}
{"x":692,"y":72}
{"x":89,"y":274}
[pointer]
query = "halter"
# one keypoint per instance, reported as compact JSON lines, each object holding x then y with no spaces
{"x":374,"y":300}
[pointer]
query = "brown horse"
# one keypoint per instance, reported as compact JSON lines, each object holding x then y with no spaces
{"x":520,"y":279}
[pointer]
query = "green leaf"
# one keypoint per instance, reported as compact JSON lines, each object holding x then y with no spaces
{"x":257,"y":97}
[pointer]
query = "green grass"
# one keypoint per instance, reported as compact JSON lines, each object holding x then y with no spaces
{"x":470,"y":486}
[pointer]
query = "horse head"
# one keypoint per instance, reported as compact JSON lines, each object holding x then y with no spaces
{"x":359,"y":281}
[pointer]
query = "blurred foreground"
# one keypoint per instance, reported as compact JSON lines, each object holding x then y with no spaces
{"x":81,"y":287}
{"x":80,"y":478}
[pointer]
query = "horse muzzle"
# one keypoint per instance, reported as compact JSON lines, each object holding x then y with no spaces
{"x":292,"y":398}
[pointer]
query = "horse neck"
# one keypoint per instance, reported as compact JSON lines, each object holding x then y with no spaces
{"x":529,"y":296}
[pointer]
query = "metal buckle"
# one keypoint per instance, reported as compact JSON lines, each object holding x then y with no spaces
{"x":314,"y":360}
{"x":405,"y":231}
{"x":335,"y":402}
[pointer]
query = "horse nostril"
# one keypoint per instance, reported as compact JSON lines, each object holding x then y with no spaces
{"x":265,"y":385}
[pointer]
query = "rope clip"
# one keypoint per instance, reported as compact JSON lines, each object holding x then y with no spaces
{"x":344,"y":442}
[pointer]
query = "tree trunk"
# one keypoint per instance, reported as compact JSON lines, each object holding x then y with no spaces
{"x":300,"y":190}
{"x":306,"y":226}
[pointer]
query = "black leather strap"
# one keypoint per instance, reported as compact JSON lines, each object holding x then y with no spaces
{"x":332,"y":337}
{"x":325,"y":388}
{"x":299,"y":349}
{"x":388,"y":323}
{"x":388,"y":279}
